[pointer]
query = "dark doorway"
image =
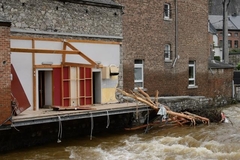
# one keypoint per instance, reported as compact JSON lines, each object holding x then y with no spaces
{"x":96,"y":87}
{"x":41,"y":89}
{"x":44,"y":89}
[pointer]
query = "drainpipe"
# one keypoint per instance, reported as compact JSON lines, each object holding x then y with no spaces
{"x":176,"y":34}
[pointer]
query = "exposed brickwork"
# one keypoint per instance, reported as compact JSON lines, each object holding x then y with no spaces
{"x":233,"y":38}
{"x":220,"y":83}
{"x":145,"y":34}
{"x":5,"y":72}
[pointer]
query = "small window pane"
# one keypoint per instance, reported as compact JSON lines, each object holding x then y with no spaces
{"x":138,"y":73}
{"x":229,"y":44}
{"x":191,"y":82}
{"x":235,"y":44}
{"x":191,"y":72}
{"x":138,"y":84}
{"x":138,"y":61}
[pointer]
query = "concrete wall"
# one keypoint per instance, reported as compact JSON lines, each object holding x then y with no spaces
{"x":5,"y":73}
{"x":145,"y":35}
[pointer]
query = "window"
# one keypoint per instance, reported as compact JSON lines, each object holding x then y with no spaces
{"x":166,"y":11}
{"x":229,"y":44}
{"x":236,"y":34}
{"x":167,"y":52}
{"x":138,"y":73}
{"x":229,"y":34}
{"x":191,"y":79}
{"x":235,"y":44}
{"x":220,"y":43}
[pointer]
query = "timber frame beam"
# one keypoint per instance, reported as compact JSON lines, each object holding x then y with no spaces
{"x":74,"y":51}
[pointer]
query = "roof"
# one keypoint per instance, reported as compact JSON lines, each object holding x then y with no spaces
{"x":217,"y":22}
{"x":103,"y":1}
{"x":4,"y":22}
{"x":213,"y":64}
{"x":212,"y":29}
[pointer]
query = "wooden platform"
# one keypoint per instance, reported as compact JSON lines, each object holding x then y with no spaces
{"x":30,"y":117}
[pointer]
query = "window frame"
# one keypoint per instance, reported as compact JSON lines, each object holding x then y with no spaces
{"x":166,"y":11}
{"x":236,"y":44}
{"x":167,"y":51}
{"x":192,"y":64}
{"x":229,"y":43}
{"x":141,"y":66}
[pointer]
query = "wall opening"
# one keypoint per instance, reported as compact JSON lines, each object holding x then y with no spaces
{"x":44,"y":89}
{"x":97,"y":87}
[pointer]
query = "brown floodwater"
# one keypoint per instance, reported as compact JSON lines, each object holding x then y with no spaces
{"x":202,"y":142}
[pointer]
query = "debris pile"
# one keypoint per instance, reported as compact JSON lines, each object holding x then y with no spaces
{"x":163,"y":112}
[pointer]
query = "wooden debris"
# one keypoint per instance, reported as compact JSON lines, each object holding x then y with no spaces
{"x":173,"y":117}
{"x":63,"y":108}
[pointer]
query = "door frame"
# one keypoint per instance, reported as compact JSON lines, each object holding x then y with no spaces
{"x":97,"y":86}
{"x":49,"y":89}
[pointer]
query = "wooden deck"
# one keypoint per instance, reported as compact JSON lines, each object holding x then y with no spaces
{"x":29,"y":117}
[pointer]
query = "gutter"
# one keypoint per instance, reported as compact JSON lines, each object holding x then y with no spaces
{"x":88,"y":2}
{"x":176,"y":34}
{"x":16,"y":30}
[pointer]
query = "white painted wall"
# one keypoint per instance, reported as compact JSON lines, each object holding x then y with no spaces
{"x":217,"y":49}
{"x":107,"y":54}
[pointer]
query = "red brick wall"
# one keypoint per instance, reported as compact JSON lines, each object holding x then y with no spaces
{"x":232,"y":37}
{"x":5,"y":72}
{"x":145,"y":34}
{"x":220,"y":83}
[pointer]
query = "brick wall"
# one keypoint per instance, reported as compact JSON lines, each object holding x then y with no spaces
{"x":220,"y":84}
{"x":145,"y":34}
{"x":5,"y":72}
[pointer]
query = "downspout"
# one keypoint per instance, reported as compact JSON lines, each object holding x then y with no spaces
{"x":176,"y":34}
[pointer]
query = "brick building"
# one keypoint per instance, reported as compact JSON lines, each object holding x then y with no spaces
{"x":166,"y":46}
{"x":5,"y":72}
{"x":233,"y":35}
{"x":157,"y":45}
{"x":63,"y":53}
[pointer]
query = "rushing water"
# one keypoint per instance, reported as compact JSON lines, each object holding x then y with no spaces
{"x":211,"y":142}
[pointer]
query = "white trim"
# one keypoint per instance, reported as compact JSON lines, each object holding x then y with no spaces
{"x":192,"y":65}
{"x":166,"y":17}
{"x":142,"y":80}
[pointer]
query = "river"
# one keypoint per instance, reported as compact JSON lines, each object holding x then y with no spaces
{"x":202,"y":142}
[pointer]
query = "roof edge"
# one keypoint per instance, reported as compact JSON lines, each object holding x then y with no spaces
{"x":88,"y":2}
